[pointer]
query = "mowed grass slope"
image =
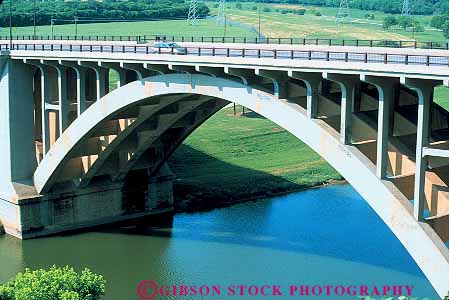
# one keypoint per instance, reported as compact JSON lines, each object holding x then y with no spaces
{"x":247,"y":156}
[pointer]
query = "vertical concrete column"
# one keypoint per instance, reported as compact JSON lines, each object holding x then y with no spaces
{"x":64,"y":104}
{"x":347,"y":85}
{"x":17,"y":140}
{"x":102,"y":82}
{"x":46,"y":94}
{"x":80,"y":85}
{"x":116,"y":67}
{"x":312,"y":82}
{"x":386,"y":89}
{"x":424,"y":89}
{"x":279,"y":79}
{"x":101,"y":78}
{"x":62,"y":97}
{"x":81,"y":90}
{"x":138,"y":68}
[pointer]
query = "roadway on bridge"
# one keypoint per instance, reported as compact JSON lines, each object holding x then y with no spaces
{"x":425,"y":57}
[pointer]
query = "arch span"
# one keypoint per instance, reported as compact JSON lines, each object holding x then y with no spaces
{"x":426,"y":248}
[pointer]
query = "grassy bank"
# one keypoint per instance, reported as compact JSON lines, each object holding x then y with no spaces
{"x":231,"y":158}
{"x":276,"y":24}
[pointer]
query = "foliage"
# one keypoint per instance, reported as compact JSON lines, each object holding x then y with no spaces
{"x":438,"y":21}
{"x":318,"y":14}
{"x":405,"y":22}
{"x":445,"y":29}
{"x":266,"y":9}
{"x":389,"y":21}
{"x":369,"y":16}
{"x":108,"y":9}
{"x":254,"y":8}
{"x":239,"y":6}
{"x":54,"y":284}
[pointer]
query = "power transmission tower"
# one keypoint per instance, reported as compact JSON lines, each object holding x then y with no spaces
{"x":343,"y":15}
{"x":221,"y":12}
{"x":406,"y":9}
{"x":193,"y":16}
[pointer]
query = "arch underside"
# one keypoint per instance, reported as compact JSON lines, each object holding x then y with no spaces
{"x":139,"y":126}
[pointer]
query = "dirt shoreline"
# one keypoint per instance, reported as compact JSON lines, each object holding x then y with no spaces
{"x":193,"y":204}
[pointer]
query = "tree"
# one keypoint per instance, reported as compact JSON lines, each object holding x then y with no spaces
{"x":56,"y":283}
{"x":389,"y":21}
{"x":405,"y":22}
{"x":438,"y":21}
{"x":445,"y":29}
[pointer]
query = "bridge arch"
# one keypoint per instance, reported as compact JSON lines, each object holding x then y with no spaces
{"x":426,"y":248}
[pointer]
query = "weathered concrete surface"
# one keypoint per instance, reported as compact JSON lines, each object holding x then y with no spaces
{"x":100,"y":203}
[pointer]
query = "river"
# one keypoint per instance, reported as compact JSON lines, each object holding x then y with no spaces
{"x":326,"y":236}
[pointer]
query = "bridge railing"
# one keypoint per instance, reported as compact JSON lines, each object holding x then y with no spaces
{"x":442,"y":45}
{"x":286,"y":54}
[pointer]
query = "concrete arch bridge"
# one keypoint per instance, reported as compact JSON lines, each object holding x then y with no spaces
{"x":74,"y":154}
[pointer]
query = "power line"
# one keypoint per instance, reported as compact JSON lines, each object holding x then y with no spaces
{"x":193,"y":16}
{"x":221,"y":12}
{"x":343,"y":14}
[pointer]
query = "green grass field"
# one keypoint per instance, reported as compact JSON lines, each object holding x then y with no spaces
{"x":276,"y":24}
{"x":236,"y":156}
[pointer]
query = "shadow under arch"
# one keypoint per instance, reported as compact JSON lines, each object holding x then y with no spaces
{"x":426,"y":248}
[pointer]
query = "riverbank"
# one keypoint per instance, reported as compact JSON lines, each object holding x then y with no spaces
{"x":231,"y":159}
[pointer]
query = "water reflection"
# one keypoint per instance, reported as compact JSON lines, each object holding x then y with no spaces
{"x":322,"y":236}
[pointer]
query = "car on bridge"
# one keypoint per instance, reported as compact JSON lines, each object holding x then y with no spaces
{"x":169,"y":47}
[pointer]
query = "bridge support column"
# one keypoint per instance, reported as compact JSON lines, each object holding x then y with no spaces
{"x":117,"y":68}
{"x":160,"y":189}
{"x":81,"y":78}
{"x":312,"y":82}
{"x":386,"y":89}
{"x":424,"y":89}
{"x":279,"y":79}
{"x":17,"y":140}
{"x":102,"y":76}
{"x":348,"y":84}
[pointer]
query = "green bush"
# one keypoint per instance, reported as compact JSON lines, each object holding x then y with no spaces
{"x":318,"y":14}
{"x":254,"y":8}
{"x":389,"y":21}
{"x":284,"y":11}
{"x":266,"y":9}
{"x":239,"y":6}
{"x":301,"y":11}
{"x":55,"y":284}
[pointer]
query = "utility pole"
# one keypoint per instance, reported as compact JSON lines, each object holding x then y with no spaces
{"x":76,"y":26}
{"x":260,"y":34}
{"x":192,"y":18}
{"x":10,"y":24}
{"x":343,"y":15}
{"x":34,"y":19}
{"x":225,"y":26}
{"x":51,"y":26}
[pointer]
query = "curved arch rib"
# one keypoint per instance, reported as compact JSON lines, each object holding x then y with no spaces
{"x":418,"y":238}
